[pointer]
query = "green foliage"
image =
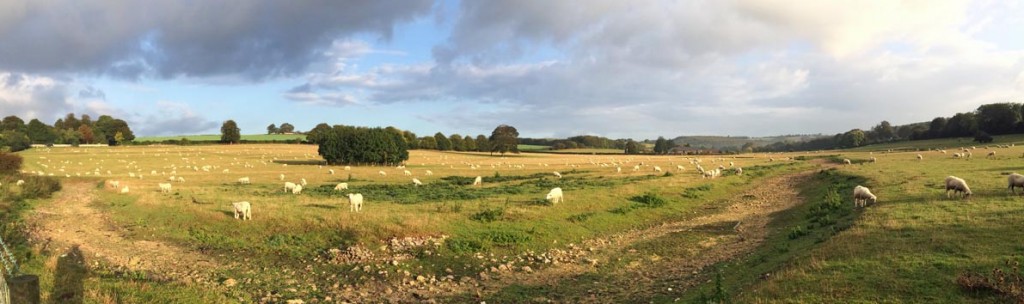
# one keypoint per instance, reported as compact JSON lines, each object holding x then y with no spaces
{"x":482,"y":143}
{"x":488,"y":214}
{"x":663,"y":146}
{"x":10,"y":163}
{"x":506,"y":237}
{"x":12,"y":123}
{"x":697,"y":192}
{"x":463,"y":245}
{"x":230,"y":133}
{"x":582,"y":217}
{"x":286,"y":128}
{"x":272,"y":129}
{"x":504,"y":139}
{"x":649,"y":200}
{"x":359,"y":145}
{"x":14,"y":141}
{"x":318,"y":134}
{"x":983,"y":137}
{"x":456,"y":141}
{"x":443,"y":143}
{"x":632,"y":147}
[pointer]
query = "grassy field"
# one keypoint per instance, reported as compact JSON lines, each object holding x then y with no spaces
{"x":253,"y":137}
{"x":912,"y":246}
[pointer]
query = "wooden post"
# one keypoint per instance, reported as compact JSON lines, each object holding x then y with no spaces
{"x":24,"y":289}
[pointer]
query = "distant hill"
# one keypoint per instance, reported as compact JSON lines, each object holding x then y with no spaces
{"x":214,"y":138}
{"x":731,"y":143}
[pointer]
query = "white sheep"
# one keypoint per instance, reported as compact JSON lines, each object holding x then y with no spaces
{"x":355,"y":202}
{"x":341,"y":186}
{"x":181,"y":179}
{"x":862,"y":196}
{"x":124,"y":190}
{"x":114,"y":184}
{"x":618,"y":169}
{"x":846,"y":161}
{"x":479,"y":181}
{"x":1015,"y":180}
{"x":382,"y":173}
{"x":657,"y":169}
{"x":555,"y":196}
{"x":165,"y":187}
{"x":429,"y":173}
{"x":873,"y":159}
{"x":244,"y":180}
{"x":991,"y":154}
{"x":919,"y":157}
{"x":289,"y":186}
{"x":559,"y":175}
{"x":348,"y":168}
{"x":417,"y":182}
{"x":297,"y":189}
{"x":958,"y":185}
{"x":281,"y":177}
{"x":739,"y":171}
{"x":636,"y":168}
{"x":303,"y":182}
{"x":407,"y":173}
{"x":244,"y":209}
{"x":330,"y":171}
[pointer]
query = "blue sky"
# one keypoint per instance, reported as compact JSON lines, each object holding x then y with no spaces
{"x":635,"y":69}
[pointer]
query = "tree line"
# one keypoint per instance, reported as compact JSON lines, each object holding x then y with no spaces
{"x":16,"y":135}
{"x":340,"y":144}
{"x":982,"y":123}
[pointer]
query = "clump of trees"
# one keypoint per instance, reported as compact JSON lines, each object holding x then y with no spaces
{"x":230,"y":133}
{"x":577,"y":142}
{"x":16,"y":135}
{"x":283,"y":129}
{"x":360,"y":145}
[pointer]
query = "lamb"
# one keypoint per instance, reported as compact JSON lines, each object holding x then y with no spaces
{"x":555,"y":196}
{"x":341,"y":186}
{"x":165,"y":187}
{"x":181,"y":179}
{"x":559,"y":175}
{"x":636,"y":168}
{"x":303,"y":182}
{"x":680,"y":167}
{"x":297,"y":189}
{"x":417,"y":182}
{"x":244,"y":180}
{"x":1015,"y":180}
{"x":479,"y":181}
{"x":862,"y":196}
{"x":958,"y":185}
{"x":618,"y":169}
{"x":846,"y":161}
{"x":289,"y":186}
{"x":355,"y":202}
{"x":244,"y":209}
{"x":956,"y":155}
{"x":281,"y":177}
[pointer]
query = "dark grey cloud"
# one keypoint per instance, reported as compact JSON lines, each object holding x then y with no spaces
{"x":90,"y":92}
{"x":128,"y":39}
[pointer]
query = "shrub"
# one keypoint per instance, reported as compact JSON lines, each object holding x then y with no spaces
{"x":488,"y":215}
{"x":461,"y":245}
{"x":649,"y":200}
{"x":10,"y":163}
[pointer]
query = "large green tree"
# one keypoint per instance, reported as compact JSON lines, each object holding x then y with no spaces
{"x":482,"y":143}
{"x":230,"y":133}
{"x":852,"y":138}
{"x":318,"y":133}
{"x":272,"y":129}
{"x":468,"y":144}
{"x":14,"y":141}
{"x":286,"y":128}
{"x":998,"y":118}
{"x":632,"y":147}
{"x":504,"y":138}
{"x":40,"y":133}
{"x":456,"y":141}
{"x":443,"y":143}
{"x":428,"y":143}
{"x":13,"y":123}
{"x":357,"y":145}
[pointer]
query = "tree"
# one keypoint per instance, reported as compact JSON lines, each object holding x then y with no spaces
{"x":443,"y":143}
{"x":286,"y":128}
{"x":357,"y":145}
{"x":747,"y":147}
{"x":852,"y":138}
{"x":428,"y":143}
{"x":86,"y":120}
{"x":961,"y":125}
{"x":70,"y":122}
{"x":318,"y":133}
{"x":468,"y":144}
{"x":632,"y":147}
{"x":456,"y":141}
{"x":998,"y":118}
{"x":230,"y":133}
{"x":12,"y":123}
{"x":40,"y":133}
{"x":272,"y":129}
{"x":936,"y":127}
{"x":884,"y":131}
{"x":14,"y":141}
{"x":504,"y":139}
{"x":659,"y":145}
{"x":411,"y":140}
{"x":983,"y":137}
{"x":118,"y":138}
{"x":482,"y":144}
{"x":87,"y":136}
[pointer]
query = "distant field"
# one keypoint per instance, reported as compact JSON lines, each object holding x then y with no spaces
{"x":943,"y":143}
{"x":260,"y":137}
{"x":533,"y":147}
{"x":600,"y":151}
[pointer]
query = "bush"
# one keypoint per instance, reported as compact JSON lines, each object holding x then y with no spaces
{"x":983,"y":137}
{"x":649,"y":200}
{"x":40,"y":187}
{"x":488,"y":215}
{"x":10,"y":163}
{"x":15,"y":141}
{"x":460,"y":245}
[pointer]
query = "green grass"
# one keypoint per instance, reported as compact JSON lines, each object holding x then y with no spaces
{"x":582,"y":151}
{"x":533,"y":147}
{"x":942,"y":143}
{"x":202,"y":138}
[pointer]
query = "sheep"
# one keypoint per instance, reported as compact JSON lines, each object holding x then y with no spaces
{"x":862,"y":196}
{"x":124,"y":190}
{"x":303,"y":182}
{"x":244,"y":180}
{"x":244,"y":209}
{"x":297,"y":189}
{"x":341,"y":186}
{"x":417,"y":182}
{"x":1015,"y":180}
{"x":289,"y":186}
{"x":355,"y":202}
{"x":330,"y":171}
{"x":281,"y":177}
{"x":846,"y":161}
{"x":181,"y":179}
{"x":958,"y":185}
{"x":739,"y":171}
{"x":407,"y":173}
{"x":559,"y":175}
{"x":657,"y":169}
{"x":919,"y":157}
{"x":479,"y":181}
{"x":618,"y":169}
{"x":555,"y":196}
{"x":680,"y":167}
{"x":874,"y":160}
{"x":114,"y":184}
{"x":429,"y":173}
{"x":636,"y":168}
{"x":991,"y":154}
{"x":956,"y":155}
{"x":171,"y":179}
{"x":382,"y":173}
{"x":348,"y":168}
{"x":165,"y":187}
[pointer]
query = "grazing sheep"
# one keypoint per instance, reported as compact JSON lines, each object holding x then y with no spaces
{"x":991,"y":154}
{"x":739,"y":171}
{"x":244,"y":180}
{"x":165,"y":187}
{"x":330,"y":171}
{"x":171,"y":178}
{"x":862,"y":196}
{"x":919,"y":157}
{"x":289,"y":186}
{"x":303,"y":182}
{"x":874,"y":159}
{"x":479,"y":181}
{"x":244,"y":209}
{"x":341,"y":186}
{"x":114,"y":184}
{"x":181,"y":179}
{"x":417,"y":182}
{"x":846,"y":161}
{"x":1015,"y":180}
{"x":281,"y":177}
{"x":555,"y":196}
{"x":124,"y":190}
{"x":636,"y":168}
{"x":956,"y":155}
{"x":680,"y":167}
{"x":382,"y":173}
{"x":348,"y":168}
{"x":297,"y":189}
{"x":429,"y":173}
{"x":958,"y":185}
{"x":618,"y":169}
{"x":559,"y":175}
{"x":407,"y":173}
{"x":657,"y":169}
{"x":355,"y":202}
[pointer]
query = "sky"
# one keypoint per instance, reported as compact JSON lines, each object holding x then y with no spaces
{"x":621,"y":69}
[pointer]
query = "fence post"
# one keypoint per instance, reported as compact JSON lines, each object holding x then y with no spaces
{"x":24,"y":289}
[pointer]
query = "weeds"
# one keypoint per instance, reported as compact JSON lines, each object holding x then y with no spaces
{"x":1007,"y":283}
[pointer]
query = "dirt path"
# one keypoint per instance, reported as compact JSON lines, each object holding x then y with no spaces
{"x":68,"y":220}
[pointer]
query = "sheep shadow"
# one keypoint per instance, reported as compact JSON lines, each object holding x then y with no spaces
{"x":323,"y":206}
{"x":69,"y":277}
{"x":228,"y":213}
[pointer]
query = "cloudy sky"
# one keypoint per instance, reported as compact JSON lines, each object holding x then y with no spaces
{"x":615,"y":68}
